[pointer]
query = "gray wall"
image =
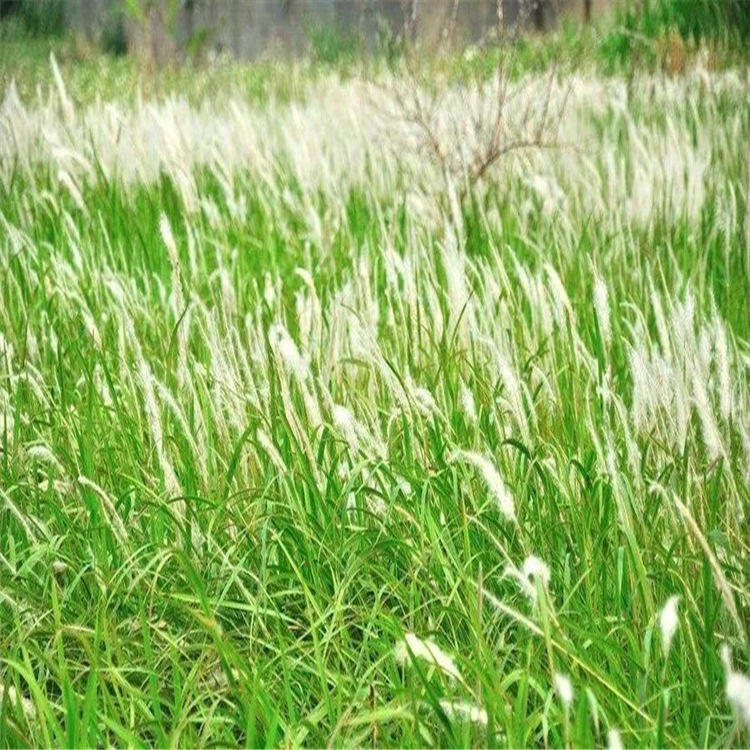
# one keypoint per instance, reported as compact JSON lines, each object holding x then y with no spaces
{"x":251,"y":28}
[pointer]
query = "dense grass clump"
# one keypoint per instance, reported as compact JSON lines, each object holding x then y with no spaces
{"x":304,"y":443}
{"x":695,"y":19}
{"x":644,"y":31}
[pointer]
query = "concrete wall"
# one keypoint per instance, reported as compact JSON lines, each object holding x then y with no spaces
{"x":251,"y":28}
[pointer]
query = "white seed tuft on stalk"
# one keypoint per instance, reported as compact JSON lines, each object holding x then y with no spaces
{"x":614,"y":741}
{"x":601,"y":305}
{"x":669,"y":621}
{"x":284,"y":345}
{"x":564,"y":690}
{"x":464,"y":711}
{"x":533,"y":569}
{"x":494,"y":482}
{"x":467,"y":403}
{"x":737,"y":688}
{"x":414,"y":647}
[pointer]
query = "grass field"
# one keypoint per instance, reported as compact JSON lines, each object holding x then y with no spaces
{"x":306,"y":442}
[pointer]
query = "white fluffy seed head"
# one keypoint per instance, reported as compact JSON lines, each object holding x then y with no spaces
{"x":467,"y":403}
{"x":346,"y":424}
{"x":722,"y":365}
{"x":424,"y":400}
{"x":414,"y":647}
{"x":514,"y":395}
{"x":564,"y":690}
{"x":614,"y":741}
{"x":42,"y":453}
{"x":404,"y":486}
{"x":454,"y":262}
{"x":267,"y":445}
{"x":269,"y":293}
{"x":533,"y":567}
{"x":601,"y":305}
{"x":167,"y":237}
{"x":642,"y":389}
{"x":711,"y":435}
{"x":559,"y":295}
{"x":737,"y":688}
{"x":464,"y":711}
{"x":494,"y":482}
{"x":154,"y":419}
{"x":669,"y":621}
{"x":284,"y":345}
{"x":91,"y":328}
{"x":738,"y":694}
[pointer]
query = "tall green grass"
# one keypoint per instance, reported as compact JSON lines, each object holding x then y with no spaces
{"x":640,"y":26}
{"x":294,"y":451}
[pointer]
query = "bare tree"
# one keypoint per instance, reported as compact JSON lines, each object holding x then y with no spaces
{"x":534,"y":124}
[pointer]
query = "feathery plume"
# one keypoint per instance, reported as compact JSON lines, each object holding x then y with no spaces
{"x":564,"y":690}
{"x":669,"y":621}
{"x":464,"y":711}
{"x":601,"y":305}
{"x":711,"y":436}
{"x":614,"y":741}
{"x":737,"y":688}
{"x":532,"y":569}
{"x":414,"y":647}
{"x":493,"y":480}
{"x":266,"y":443}
{"x":722,"y":365}
{"x":154,"y":420}
{"x":467,"y":403}
{"x":284,"y":345}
